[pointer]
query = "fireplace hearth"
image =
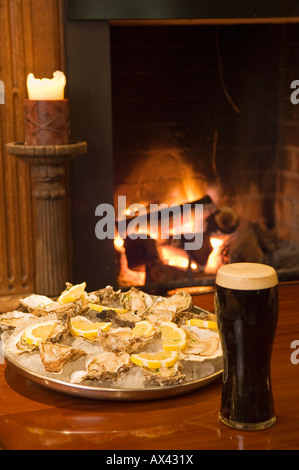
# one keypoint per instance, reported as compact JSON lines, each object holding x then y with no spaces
{"x":183,"y":113}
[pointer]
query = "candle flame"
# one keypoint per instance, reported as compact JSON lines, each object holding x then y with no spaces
{"x":45,"y":88}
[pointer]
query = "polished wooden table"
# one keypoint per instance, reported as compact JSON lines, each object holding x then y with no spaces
{"x":32,"y":417}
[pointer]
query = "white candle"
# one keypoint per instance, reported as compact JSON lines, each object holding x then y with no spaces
{"x":45,"y":88}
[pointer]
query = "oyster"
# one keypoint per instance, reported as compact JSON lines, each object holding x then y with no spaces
{"x":108,"y":296}
{"x":41,"y":306}
{"x":119,"y":319}
{"x":123,"y":339}
{"x":167,"y":309}
{"x":16,"y":343}
{"x":82,"y":304}
{"x":13,"y":345}
{"x":160,"y":315}
{"x":67,"y":311}
{"x":36,"y":304}
{"x":16,"y":319}
{"x":59,"y":333}
{"x":165,"y":376}
{"x":106,"y":366}
{"x":55,"y":356}
{"x":177,"y":303}
{"x":195,"y":313}
{"x":201,"y":343}
{"x":136,"y":301}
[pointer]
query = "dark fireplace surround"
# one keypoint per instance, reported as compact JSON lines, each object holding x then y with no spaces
{"x":200,"y":86}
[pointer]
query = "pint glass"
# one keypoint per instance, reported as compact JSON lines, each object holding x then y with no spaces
{"x":246,"y":305}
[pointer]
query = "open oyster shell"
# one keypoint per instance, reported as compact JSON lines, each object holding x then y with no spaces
{"x":127,"y":319}
{"x":54,"y":356}
{"x":194,"y":312}
{"x":122,"y":339}
{"x":200,"y":344}
{"x":15,"y":343}
{"x":36,"y":303}
{"x":41,"y":306}
{"x":107,"y":296}
{"x":136,"y":301}
{"x":167,"y":309}
{"x":106,"y":366}
{"x":176,"y":303}
{"x":165,"y":376}
{"x":16,"y":319}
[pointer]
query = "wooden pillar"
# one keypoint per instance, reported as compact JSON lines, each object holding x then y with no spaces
{"x":51,"y":246}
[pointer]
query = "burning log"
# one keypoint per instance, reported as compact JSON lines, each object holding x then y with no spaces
{"x":252,"y":243}
{"x":140,"y":252}
{"x":225,"y":220}
{"x":160,"y":273}
{"x":161,"y":260}
{"x":201,"y":256}
{"x":168,"y":212}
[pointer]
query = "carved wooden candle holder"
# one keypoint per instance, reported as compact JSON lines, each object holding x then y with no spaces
{"x":47,"y":122}
{"x":47,"y":164}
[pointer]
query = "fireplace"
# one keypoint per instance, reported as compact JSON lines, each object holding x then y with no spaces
{"x":184,"y":113}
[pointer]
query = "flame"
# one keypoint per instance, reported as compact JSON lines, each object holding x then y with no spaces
{"x":214,"y":260}
{"x":118,"y":243}
{"x":164,"y":176}
{"x":191,"y":187}
{"x":216,"y":243}
{"x":176,"y":257}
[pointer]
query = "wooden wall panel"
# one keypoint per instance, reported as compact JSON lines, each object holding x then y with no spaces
{"x":31,"y":40}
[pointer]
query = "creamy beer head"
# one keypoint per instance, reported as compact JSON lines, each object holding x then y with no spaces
{"x":246,"y":276}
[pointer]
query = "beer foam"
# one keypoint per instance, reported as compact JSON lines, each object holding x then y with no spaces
{"x":246,"y":276}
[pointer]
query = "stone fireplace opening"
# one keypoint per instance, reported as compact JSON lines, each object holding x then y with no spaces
{"x":192,"y":113}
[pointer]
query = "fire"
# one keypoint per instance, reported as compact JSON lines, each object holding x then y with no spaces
{"x":164,"y":178}
{"x":176,"y":257}
{"x":118,"y":243}
{"x":215,"y":259}
{"x":216,"y":242}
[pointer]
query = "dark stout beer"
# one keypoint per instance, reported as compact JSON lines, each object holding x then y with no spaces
{"x":246,"y":305}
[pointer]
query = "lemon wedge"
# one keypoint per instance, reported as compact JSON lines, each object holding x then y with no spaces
{"x":212,"y":325}
{"x":143,"y":328}
{"x":72,"y":293}
{"x":81,"y":326}
{"x":100,"y":308}
{"x":39,"y":332}
{"x":155,"y":360}
{"x":173,"y":337}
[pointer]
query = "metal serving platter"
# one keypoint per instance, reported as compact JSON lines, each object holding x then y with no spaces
{"x":118,"y":394}
{"x":114,"y":394}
